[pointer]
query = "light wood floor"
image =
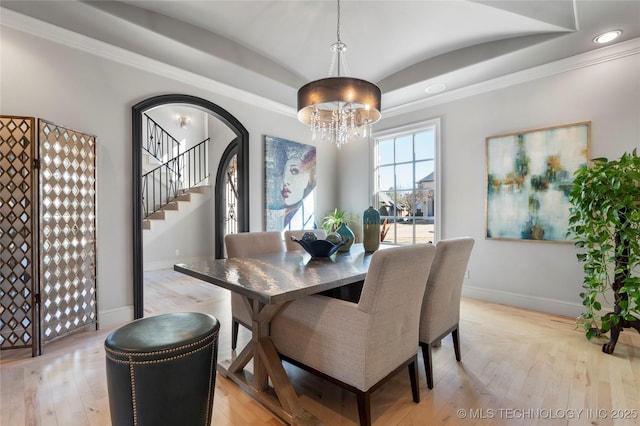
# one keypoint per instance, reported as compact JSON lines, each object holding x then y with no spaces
{"x":518,"y":367}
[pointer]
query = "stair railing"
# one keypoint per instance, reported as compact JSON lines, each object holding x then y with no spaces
{"x":159,"y":143}
{"x":168,"y":181}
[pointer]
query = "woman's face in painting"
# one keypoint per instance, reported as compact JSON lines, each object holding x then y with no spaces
{"x":295,"y":181}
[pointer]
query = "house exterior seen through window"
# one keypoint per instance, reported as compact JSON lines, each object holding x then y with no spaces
{"x":406,"y":185}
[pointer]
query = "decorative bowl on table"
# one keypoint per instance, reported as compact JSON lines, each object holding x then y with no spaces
{"x":318,"y":248}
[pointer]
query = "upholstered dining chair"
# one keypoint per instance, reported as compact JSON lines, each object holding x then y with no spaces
{"x":440,"y":313}
{"x":247,"y":244}
{"x":293,"y":246}
{"x":360,"y":346}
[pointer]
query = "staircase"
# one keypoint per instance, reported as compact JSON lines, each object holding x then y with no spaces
{"x":174,"y":205}
{"x":176,"y":173}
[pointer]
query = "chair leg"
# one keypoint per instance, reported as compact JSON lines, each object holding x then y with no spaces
{"x":413,"y":377}
{"x":456,"y":343}
{"x":235,"y":326}
{"x":426,"y":355}
{"x":364,"y":407}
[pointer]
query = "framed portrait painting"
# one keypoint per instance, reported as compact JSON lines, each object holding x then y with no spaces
{"x":290,"y":182}
{"x":529,"y":175}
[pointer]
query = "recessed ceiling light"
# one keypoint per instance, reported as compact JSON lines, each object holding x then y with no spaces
{"x":607,"y":37}
{"x":435,"y":88}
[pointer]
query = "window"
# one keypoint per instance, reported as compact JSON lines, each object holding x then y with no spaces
{"x":406,"y":183}
{"x":227,"y":197}
{"x":230,"y":196}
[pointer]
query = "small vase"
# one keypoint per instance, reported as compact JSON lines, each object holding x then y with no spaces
{"x":371,"y":229}
{"x":347,"y":235}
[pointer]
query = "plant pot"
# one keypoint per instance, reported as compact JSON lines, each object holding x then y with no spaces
{"x":347,"y":236}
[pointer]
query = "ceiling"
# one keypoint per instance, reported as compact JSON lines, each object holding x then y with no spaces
{"x":271,"y":48}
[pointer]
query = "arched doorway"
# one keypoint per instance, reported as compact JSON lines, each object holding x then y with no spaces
{"x":242,"y":143}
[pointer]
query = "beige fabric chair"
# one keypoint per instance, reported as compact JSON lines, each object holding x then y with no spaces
{"x":360,"y":346}
{"x":248,"y":244}
{"x":291,"y":246}
{"x":441,"y":304}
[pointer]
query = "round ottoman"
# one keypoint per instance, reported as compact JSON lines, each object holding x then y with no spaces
{"x":162,"y":370}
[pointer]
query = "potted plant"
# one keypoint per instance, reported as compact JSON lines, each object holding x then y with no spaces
{"x":338,"y":222}
{"x":605,"y":221}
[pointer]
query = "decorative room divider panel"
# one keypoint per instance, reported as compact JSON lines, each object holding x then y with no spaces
{"x":18,"y":239}
{"x":67,"y":230}
{"x":57,"y":224}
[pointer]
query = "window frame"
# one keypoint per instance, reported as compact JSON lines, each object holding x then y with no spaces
{"x":411,"y":129}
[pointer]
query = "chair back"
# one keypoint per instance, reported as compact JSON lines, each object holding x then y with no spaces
{"x":441,"y":303}
{"x":291,"y":246}
{"x":248,"y":244}
{"x":392,"y":295}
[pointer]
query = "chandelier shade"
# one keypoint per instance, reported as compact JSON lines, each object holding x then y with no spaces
{"x":339,"y":108}
{"x":332,"y":93}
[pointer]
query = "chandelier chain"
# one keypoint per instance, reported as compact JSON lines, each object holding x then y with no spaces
{"x":338,"y":48}
{"x":339,"y":51}
{"x":338,"y":30}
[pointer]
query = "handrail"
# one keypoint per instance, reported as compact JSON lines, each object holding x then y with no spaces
{"x":168,"y":181}
{"x":159,"y":143}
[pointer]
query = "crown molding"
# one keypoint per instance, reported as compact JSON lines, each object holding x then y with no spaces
{"x":572,"y":63}
{"x":38,"y":28}
{"x":50,"y":32}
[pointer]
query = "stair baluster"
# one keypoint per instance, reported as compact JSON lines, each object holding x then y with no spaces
{"x":164,"y":184}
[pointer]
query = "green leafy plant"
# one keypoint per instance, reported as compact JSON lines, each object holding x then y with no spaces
{"x":605,"y":221}
{"x":333,"y":220}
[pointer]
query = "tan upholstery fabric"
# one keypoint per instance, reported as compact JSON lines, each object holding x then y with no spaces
{"x":360,"y":344}
{"x":248,"y":244}
{"x":441,"y":304}
{"x":291,"y":246}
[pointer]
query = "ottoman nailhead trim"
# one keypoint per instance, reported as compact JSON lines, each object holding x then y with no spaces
{"x":131,"y":361}
{"x":131,"y":355}
{"x":211,"y":373}
{"x":133,"y":394}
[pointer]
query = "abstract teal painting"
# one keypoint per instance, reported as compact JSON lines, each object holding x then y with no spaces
{"x":528,"y":177}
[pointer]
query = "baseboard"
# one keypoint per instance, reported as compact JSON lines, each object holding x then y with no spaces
{"x":542,"y":304}
{"x":559,"y":307}
{"x":116,"y":316}
{"x":168,"y":263}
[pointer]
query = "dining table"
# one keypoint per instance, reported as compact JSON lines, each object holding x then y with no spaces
{"x":267,"y":283}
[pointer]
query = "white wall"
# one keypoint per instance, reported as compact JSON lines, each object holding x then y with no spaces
{"x":183,"y":236}
{"x":541,"y":276}
{"x":89,"y":93}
